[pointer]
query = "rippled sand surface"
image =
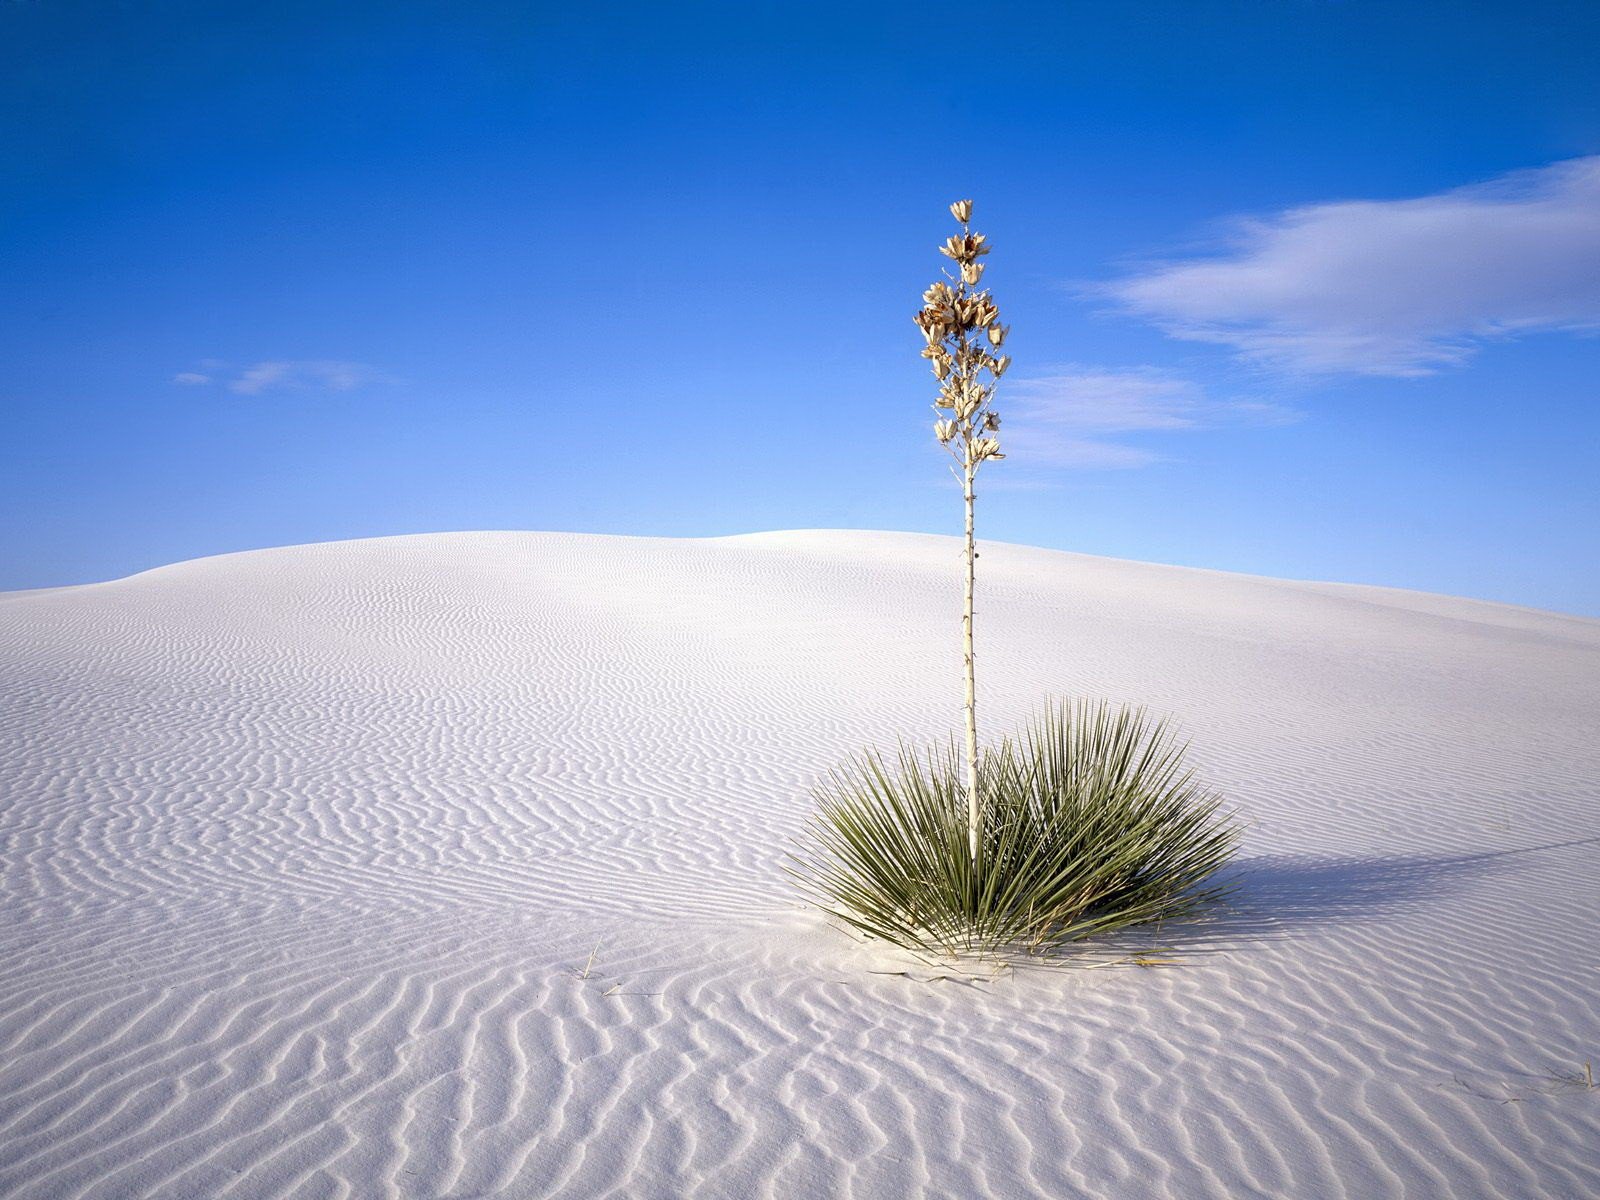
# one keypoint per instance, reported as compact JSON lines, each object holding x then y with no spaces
{"x":306,"y":851}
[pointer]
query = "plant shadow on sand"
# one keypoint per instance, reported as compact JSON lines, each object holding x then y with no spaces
{"x":1282,"y":896}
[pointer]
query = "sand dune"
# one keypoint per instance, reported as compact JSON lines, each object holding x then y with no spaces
{"x":305,"y":851}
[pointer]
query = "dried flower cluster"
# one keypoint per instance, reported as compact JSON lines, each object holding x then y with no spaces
{"x":963,"y":333}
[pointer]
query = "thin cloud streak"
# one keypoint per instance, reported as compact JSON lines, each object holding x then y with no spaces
{"x":282,"y":375}
{"x":1390,"y":287}
{"x":1069,"y":418}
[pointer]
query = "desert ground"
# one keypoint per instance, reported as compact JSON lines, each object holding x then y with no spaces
{"x":452,"y":866}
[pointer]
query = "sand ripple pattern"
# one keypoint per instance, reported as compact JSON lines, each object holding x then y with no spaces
{"x":304,"y":851}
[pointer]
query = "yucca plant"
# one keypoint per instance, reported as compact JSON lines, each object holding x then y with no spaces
{"x":1091,"y":823}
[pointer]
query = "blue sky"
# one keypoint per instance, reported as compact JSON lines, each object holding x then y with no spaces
{"x":1300,"y":289}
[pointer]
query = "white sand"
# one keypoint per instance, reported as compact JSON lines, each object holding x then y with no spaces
{"x":302,"y":850}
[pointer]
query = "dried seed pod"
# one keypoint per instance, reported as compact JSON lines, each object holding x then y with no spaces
{"x":965,"y":247}
{"x":961,"y":210}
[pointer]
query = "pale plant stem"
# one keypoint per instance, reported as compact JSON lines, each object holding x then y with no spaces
{"x":972,"y":679}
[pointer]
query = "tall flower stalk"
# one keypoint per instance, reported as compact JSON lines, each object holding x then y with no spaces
{"x":962,"y":327}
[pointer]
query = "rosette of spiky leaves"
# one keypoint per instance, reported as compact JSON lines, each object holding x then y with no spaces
{"x":962,"y":328}
{"x":1092,"y":823}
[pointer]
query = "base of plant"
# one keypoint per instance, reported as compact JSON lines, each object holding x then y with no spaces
{"x":1090,"y":824}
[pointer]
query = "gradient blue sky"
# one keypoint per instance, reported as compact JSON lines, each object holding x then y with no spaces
{"x":1301,"y":289}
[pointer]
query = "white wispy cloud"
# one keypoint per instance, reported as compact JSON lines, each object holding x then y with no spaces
{"x":282,"y":375}
{"x":1071,"y":417}
{"x":1390,"y":287}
